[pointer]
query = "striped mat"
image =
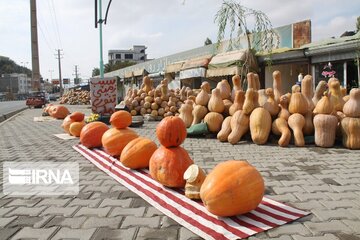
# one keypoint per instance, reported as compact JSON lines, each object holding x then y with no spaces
{"x":192,"y":214}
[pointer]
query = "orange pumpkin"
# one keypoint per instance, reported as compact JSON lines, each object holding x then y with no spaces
{"x":58,"y":112}
{"x":171,"y":131}
{"x":77,"y":116}
{"x":232,"y":188}
{"x":66,"y":123}
{"x":137,"y":153}
{"x":75,"y":128}
{"x":47,"y":108}
{"x":120,"y":119}
{"x":167,"y":166}
{"x":91,"y":133}
{"x":115,"y":139}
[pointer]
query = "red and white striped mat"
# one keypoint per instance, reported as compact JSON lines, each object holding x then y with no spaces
{"x":192,"y":214}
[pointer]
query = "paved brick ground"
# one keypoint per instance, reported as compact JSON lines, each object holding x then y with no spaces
{"x":325,"y":182}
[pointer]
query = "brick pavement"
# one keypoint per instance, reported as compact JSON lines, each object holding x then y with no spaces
{"x":325,"y":182}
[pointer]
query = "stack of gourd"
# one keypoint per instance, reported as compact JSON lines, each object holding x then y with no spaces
{"x":159,"y":101}
{"x":74,"y":123}
{"x":350,"y":124}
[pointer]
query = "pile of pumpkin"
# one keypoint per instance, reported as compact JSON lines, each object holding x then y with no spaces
{"x":75,"y":97}
{"x":224,"y":192}
{"x":231,"y":113}
{"x":55,"y":111}
{"x":158,"y":102}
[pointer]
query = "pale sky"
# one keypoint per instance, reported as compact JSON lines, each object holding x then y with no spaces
{"x":164,"y":26}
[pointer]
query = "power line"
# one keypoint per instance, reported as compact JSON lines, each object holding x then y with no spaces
{"x":56,"y":22}
{"x":42,"y":33}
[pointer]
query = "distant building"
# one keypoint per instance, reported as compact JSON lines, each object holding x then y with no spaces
{"x":15,"y":83}
{"x":136,"y":54}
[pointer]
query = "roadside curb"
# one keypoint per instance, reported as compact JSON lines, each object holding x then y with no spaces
{"x":5,"y":117}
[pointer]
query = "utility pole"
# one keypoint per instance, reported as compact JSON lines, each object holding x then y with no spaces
{"x":76,"y":75}
{"x":35,"y":80}
{"x":59,"y":56}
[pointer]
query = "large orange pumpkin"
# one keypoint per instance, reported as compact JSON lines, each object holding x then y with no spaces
{"x":114,"y":140}
{"x":232,"y":188}
{"x":75,"y":128}
{"x":171,"y":131}
{"x":120,"y":119}
{"x":167,"y":166}
{"x":77,"y":116}
{"x":66,"y":123}
{"x":58,"y":112}
{"x":91,"y":133}
{"x":137,"y":153}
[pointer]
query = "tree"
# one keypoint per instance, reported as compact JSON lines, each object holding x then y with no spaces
{"x":207,"y":41}
{"x":95,"y":72}
{"x":236,"y":16}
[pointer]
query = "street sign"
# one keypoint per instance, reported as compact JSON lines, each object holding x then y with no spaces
{"x":66,"y":80}
{"x":55,"y":81}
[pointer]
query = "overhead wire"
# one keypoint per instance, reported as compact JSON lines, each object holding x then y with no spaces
{"x":56,"y":22}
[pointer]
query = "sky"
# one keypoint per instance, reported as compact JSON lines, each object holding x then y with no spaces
{"x":165,"y":27}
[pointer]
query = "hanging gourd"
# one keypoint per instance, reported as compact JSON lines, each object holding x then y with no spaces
{"x":277,"y":85}
{"x":215,"y":103}
{"x":297,"y":122}
{"x":280,"y":127}
{"x":271,"y":105}
{"x":222,"y":136}
{"x":238,"y":102}
{"x":236,"y":81}
{"x":260,"y":125}
{"x":186,"y":113}
{"x":239,"y":126}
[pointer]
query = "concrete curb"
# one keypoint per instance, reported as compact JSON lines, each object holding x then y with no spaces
{"x":5,"y":117}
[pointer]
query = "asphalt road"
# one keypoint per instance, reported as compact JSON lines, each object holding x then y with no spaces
{"x":11,"y":106}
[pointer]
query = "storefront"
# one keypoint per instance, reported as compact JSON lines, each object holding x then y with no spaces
{"x":193,"y":71}
{"x":172,"y":73}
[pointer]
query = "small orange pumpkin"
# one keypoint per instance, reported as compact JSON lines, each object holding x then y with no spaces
{"x":137,"y":153}
{"x":167,"y":166}
{"x":66,"y":123}
{"x":58,"y":112}
{"x":171,"y":131}
{"x":77,"y":116}
{"x":91,"y":133}
{"x":115,"y":139}
{"x":75,"y":128}
{"x":120,"y":119}
{"x":232,"y":188}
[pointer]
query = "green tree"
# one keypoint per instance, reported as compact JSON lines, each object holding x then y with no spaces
{"x":95,"y":72}
{"x":207,"y":41}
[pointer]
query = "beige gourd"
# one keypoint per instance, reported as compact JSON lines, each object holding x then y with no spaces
{"x":252,"y":81}
{"x":350,"y":129}
{"x":284,"y":105}
{"x":297,"y":122}
{"x":307,"y":91}
{"x":260,"y":125}
{"x":257,"y":81}
{"x":251,"y":101}
{"x":199,"y":112}
{"x":222,"y":136}
{"x":324,"y":106}
{"x":203,"y":97}
{"x":325,"y":130}
{"x":147,"y":84}
{"x":236,"y":81}
{"x":186,"y":113}
{"x":262,"y":99}
{"x":336,"y":96}
{"x":225,"y":89}
{"x":277,"y":85}
{"x":319,"y":91}
{"x":227,"y":105}
{"x":238,"y":102}
{"x":298,"y":103}
{"x":280,"y":127}
{"x":215,"y":102}
{"x":239,"y":126}
{"x":352,"y":106}
{"x":271,"y":105}
{"x":206,"y":86}
{"x":214,"y":121}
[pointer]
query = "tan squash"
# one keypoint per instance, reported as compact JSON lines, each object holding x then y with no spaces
{"x":324,"y":106}
{"x":225,"y":89}
{"x":352,"y":106}
{"x":215,"y":103}
{"x":222,"y":136}
{"x":238,"y":102}
{"x":236,"y":81}
{"x":295,"y":88}
{"x":284,"y":105}
{"x":297,"y":122}
{"x":307,"y":90}
{"x":198,"y":113}
{"x":262,"y":97}
{"x":165,"y":91}
{"x":239,"y":126}
{"x":203,"y":97}
{"x":257,"y":81}
{"x":147,"y":84}
{"x":280,"y":127}
{"x":260,"y":125}
{"x":336,"y":96}
{"x":252,"y":83}
{"x":251,"y":101}
{"x":186,"y":113}
{"x":206,"y":86}
{"x":309,"y":125}
{"x":298,"y":103}
{"x":325,"y":130}
{"x":343,"y":91}
{"x":227,"y":105}
{"x":350,"y":128}
{"x":271,"y":105}
{"x":214,"y":121}
{"x":277,"y":85}
{"x":319,"y":91}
